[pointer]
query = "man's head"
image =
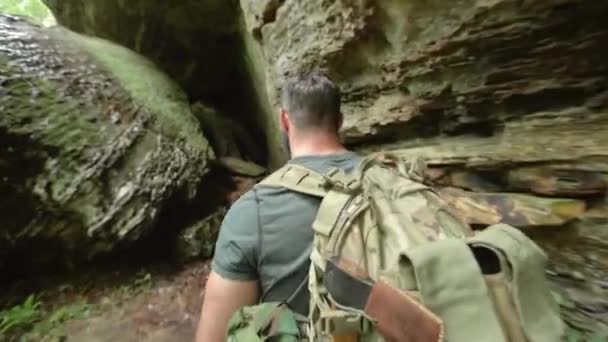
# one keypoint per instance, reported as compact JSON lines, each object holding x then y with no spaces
{"x":310,"y":109}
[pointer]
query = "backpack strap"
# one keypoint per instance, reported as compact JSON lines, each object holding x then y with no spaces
{"x":335,"y":188}
{"x":537,"y":311}
{"x":298,"y":178}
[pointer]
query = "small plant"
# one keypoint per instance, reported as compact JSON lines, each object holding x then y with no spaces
{"x":52,"y":322}
{"x":143,"y":280}
{"x":20,"y":317}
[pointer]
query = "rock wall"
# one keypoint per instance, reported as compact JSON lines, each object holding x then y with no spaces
{"x":507,"y":100}
{"x":95,"y":142}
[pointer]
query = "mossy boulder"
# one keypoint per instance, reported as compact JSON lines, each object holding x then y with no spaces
{"x":192,"y":40}
{"x":198,"y":43}
{"x":95,"y":142}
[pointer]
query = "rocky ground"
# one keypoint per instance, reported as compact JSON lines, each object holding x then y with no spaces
{"x":124,"y":298}
{"x":156,"y":304}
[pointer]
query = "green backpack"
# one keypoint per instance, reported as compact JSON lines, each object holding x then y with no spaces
{"x":392,"y":262}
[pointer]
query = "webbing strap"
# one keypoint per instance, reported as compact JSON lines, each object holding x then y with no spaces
{"x":299,"y":179}
{"x":452,"y":286}
{"x":538,"y":313}
{"x":303,"y":180}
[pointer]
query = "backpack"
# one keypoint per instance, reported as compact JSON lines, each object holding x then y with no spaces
{"x":392,"y":261}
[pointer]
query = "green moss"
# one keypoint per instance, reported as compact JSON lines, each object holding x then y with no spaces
{"x":267,"y":113}
{"x":34,"y":10}
{"x":19,"y":317}
{"x":149,"y":87}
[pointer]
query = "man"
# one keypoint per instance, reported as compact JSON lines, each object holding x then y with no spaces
{"x":264,"y":245}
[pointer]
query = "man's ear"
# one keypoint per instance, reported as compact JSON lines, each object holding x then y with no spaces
{"x":284,"y":120}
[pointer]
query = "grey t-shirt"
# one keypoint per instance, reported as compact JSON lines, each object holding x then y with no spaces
{"x":267,"y":235}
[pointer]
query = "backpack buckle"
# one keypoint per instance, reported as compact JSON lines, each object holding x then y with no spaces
{"x":341,"y":322}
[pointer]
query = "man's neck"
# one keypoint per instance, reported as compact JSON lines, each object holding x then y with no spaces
{"x":316,"y":145}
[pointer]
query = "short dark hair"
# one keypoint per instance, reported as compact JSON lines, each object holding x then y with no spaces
{"x":313,"y":101}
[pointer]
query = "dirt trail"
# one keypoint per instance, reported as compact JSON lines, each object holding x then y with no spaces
{"x":155,"y":306}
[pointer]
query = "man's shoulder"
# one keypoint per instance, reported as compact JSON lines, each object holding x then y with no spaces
{"x":261,"y":191}
{"x":347,"y":161}
{"x":241,"y":210}
{"x":249,"y":201}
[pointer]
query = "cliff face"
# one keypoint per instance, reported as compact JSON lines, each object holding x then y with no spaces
{"x":95,"y":142}
{"x":507,"y":100}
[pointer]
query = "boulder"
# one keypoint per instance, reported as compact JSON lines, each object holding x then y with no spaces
{"x":198,"y":43}
{"x":198,"y":240}
{"x":191,"y":40}
{"x":95,"y":142}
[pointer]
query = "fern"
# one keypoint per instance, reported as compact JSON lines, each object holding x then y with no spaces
{"x":20,"y":317}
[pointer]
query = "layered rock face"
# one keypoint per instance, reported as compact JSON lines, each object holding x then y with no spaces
{"x":507,"y":100}
{"x":95,"y":143}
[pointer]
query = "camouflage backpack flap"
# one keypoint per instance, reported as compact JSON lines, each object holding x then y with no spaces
{"x":271,"y":321}
{"x":514,"y":271}
{"x":446,"y":269}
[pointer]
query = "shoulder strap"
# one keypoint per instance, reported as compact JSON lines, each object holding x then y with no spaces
{"x":298,"y":178}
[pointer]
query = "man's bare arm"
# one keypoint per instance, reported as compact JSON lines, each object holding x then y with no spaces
{"x":222,"y":298}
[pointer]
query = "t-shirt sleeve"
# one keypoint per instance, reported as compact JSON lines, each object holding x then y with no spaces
{"x":236,"y":247}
